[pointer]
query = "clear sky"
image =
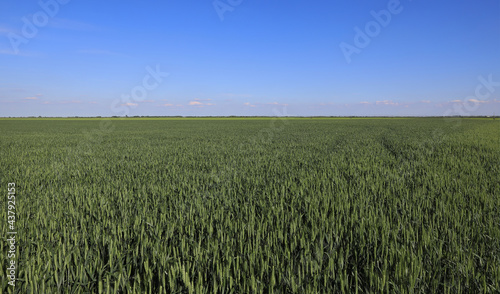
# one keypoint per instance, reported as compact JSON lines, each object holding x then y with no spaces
{"x":249,"y":57}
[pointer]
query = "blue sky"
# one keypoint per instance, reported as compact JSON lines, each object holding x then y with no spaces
{"x":259,"y":57}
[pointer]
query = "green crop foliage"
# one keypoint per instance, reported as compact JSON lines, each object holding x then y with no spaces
{"x":253,"y":205}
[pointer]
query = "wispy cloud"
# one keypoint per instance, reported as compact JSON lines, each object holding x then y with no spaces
{"x":129,"y":104}
{"x":386,"y":102}
{"x":5,"y":30}
{"x":276,"y":103}
{"x":69,"y":24}
{"x":20,"y":53}
{"x":31,"y":98}
{"x":7,"y":52}
{"x":197,"y":102}
{"x":68,"y":102}
{"x":425,"y":101}
{"x":233,"y":95}
{"x":479,"y":101}
{"x":17,"y":90}
{"x":364,"y":102}
{"x":172,"y":105}
{"x":260,"y":104}
{"x":101,"y":52}
{"x":65,"y":102}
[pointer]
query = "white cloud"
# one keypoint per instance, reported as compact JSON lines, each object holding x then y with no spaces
{"x":196,"y":102}
{"x":68,"y":24}
{"x":4,"y":30}
{"x":478,"y":101}
{"x":276,"y":103}
{"x":101,"y":52}
{"x":233,"y":95}
{"x":386,"y":102}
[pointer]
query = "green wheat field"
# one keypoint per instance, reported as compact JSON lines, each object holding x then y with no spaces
{"x":261,"y":205}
